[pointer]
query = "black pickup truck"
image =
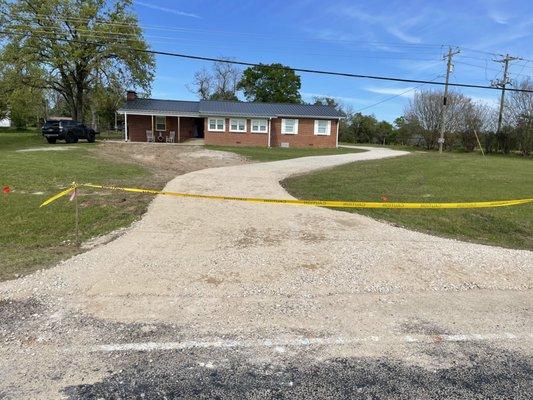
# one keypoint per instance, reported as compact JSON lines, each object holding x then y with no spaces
{"x":67,"y":130}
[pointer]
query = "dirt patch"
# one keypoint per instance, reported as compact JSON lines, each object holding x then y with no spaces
{"x":166,"y":161}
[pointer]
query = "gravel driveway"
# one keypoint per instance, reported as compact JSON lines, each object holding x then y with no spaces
{"x":203,"y":298}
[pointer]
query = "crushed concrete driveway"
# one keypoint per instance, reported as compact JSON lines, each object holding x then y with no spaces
{"x":204,"y":299}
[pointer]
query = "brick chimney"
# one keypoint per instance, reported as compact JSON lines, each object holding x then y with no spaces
{"x":131,"y":95}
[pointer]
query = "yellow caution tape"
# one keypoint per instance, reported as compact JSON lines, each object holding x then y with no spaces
{"x":57,"y":196}
{"x":320,"y":203}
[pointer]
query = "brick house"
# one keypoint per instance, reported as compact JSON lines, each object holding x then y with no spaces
{"x":231,"y":123}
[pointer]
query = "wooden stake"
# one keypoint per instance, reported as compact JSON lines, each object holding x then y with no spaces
{"x":479,"y":143}
{"x":77,"y":217}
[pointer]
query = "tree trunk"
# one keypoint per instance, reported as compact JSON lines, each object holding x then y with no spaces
{"x":78,"y":112}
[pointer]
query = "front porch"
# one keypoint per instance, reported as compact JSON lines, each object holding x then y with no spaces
{"x":142,"y":128}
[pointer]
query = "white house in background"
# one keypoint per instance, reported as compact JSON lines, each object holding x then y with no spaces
{"x":5,"y":123}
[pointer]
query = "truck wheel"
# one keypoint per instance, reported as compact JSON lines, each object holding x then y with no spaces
{"x":51,"y":140}
{"x":70,"y":138}
{"x":91,"y":137}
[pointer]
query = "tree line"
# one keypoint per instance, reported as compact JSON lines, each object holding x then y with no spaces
{"x":468,"y":124}
{"x":69,"y":57}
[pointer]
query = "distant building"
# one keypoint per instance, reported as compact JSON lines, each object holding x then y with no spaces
{"x":5,"y":123}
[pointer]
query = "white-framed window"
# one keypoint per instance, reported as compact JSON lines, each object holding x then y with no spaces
{"x":216,"y":124}
{"x":160,"y":123}
{"x":289,"y":126}
{"x":259,"y":125}
{"x":237,"y":125}
{"x":322,"y":127}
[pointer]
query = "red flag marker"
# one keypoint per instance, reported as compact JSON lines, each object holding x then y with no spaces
{"x":6,"y":189}
{"x":384,"y":198}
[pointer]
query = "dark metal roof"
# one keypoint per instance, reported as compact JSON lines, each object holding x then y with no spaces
{"x":176,"y":107}
{"x":229,"y":108}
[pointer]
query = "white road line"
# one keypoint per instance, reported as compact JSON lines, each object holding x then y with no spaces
{"x":306,"y":342}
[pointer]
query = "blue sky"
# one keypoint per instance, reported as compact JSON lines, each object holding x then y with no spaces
{"x":390,"y":38}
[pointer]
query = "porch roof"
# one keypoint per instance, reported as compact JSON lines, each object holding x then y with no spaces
{"x":228,"y":108}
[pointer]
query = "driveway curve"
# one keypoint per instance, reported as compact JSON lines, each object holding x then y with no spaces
{"x":231,"y":269}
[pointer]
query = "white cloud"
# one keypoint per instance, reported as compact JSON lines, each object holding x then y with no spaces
{"x":343,"y":98}
{"x":403,"y":92}
{"x":330,"y":34}
{"x":403,"y":36}
{"x":499,"y":17}
{"x":394,"y":24}
{"x":167,"y":10}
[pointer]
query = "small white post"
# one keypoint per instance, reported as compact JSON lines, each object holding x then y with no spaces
{"x":77,"y":217}
{"x":179,"y":134}
{"x":125,"y":127}
{"x":269,"y":127}
{"x":338,"y":123}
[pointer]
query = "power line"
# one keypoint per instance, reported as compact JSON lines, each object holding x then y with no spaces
{"x":421,"y":46}
{"x":492,"y":69}
{"x":397,"y":95}
{"x":115,"y":36}
{"x":304,"y":70}
{"x":219,"y":32}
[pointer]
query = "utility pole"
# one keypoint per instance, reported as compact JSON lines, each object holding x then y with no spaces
{"x":503,"y":83}
{"x":449,"y":66}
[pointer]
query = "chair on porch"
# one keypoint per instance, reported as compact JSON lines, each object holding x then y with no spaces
{"x":171,"y":138}
{"x":149,"y":136}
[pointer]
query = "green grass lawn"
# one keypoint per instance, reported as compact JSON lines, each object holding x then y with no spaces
{"x":31,"y":237}
{"x":430,"y":177}
{"x":279,"y":153}
{"x":384,"y":146}
{"x":111,"y":135}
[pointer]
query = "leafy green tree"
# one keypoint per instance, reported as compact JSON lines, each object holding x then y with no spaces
{"x":224,"y":95}
{"x":27,"y":107}
{"x":326,"y":101}
{"x":405,"y":131}
{"x":103,"y":103}
{"x":76,"y":44}
{"x":363,"y":128}
{"x":24,"y":105}
{"x":274,"y":83}
{"x":383,"y":132}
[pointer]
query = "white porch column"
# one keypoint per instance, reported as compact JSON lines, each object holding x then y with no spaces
{"x":179,"y":132}
{"x":338,"y":123}
{"x":125,"y":127}
{"x":269,"y":125}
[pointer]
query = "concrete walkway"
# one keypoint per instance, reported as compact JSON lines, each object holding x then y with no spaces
{"x":200,"y":271}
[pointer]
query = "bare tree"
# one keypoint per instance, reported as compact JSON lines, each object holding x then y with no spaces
{"x":425,"y":110}
{"x":202,"y":84}
{"x":476,"y":120}
{"x":218,"y":84}
{"x":226,"y":77}
{"x":520,"y":111}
